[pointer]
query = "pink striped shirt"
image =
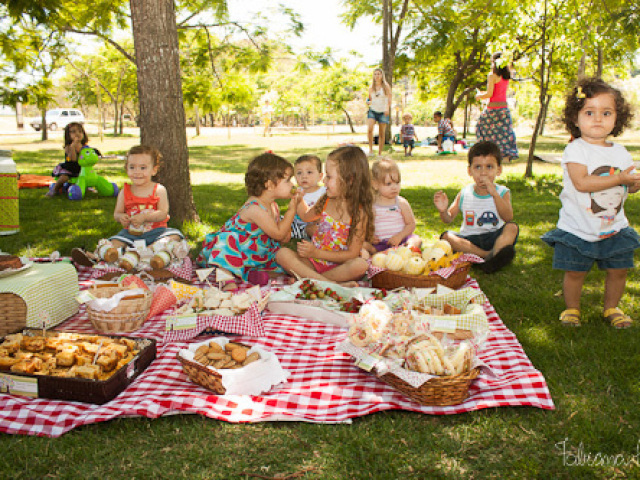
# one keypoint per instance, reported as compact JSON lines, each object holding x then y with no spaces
{"x":388,"y":220}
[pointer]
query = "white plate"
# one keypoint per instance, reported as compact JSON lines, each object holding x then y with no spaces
{"x":12,"y":271}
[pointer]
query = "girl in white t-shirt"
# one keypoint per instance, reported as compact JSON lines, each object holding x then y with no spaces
{"x":379,"y":103}
{"x":598,"y":175}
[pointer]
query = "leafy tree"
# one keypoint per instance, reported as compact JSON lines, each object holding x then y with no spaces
{"x":32,"y":54}
{"x":338,"y":85}
{"x":106,"y":73}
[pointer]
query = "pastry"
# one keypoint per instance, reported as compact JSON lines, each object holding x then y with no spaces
{"x":10,"y":262}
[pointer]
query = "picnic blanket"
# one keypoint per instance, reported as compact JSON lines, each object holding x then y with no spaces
{"x":27,"y":180}
{"x":324,"y":386}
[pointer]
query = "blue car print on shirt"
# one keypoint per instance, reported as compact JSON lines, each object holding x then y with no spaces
{"x":487,"y":217}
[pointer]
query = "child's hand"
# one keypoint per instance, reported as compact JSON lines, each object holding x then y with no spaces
{"x":306,"y":249}
{"x":490,"y":186}
{"x":125,"y":221}
{"x":395,"y":240}
{"x":375,"y":240}
{"x":138,"y":220}
{"x":629,"y":176}
{"x":441,"y":201}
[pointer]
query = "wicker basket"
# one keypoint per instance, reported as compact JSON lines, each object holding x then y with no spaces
{"x":390,"y":280}
{"x":128,"y":316}
{"x":439,"y":391}
{"x":13,"y":313}
{"x":201,"y":375}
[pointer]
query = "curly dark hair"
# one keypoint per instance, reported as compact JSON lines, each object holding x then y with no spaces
{"x":484,"y":148}
{"x":263,"y":168}
{"x":354,"y":178}
{"x":504,"y":71}
{"x":591,"y":87}
{"x":67,"y":133}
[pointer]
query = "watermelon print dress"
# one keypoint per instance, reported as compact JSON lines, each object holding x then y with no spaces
{"x":239,"y":247}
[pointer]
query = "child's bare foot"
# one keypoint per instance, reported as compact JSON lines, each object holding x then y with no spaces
{"x":350,"y":284}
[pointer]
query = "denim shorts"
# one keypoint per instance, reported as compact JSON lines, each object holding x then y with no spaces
{"x":408,"y":143}
{"x":571,"y":253}
{"x":486,"y":241}
{"x":379,"y":117}
{"x":149,"y":237}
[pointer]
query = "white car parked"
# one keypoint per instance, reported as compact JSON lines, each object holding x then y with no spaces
{"x":58,"y":118}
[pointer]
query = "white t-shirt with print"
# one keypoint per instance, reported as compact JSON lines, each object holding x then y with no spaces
{"x":593,"y":216}
{"x":479,"y":212}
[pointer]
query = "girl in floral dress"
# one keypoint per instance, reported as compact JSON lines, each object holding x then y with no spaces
{"x":344,"y":217}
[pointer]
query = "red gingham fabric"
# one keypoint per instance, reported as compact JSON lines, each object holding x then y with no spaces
{"x":324,"y":386}
{"x":250,"y":323}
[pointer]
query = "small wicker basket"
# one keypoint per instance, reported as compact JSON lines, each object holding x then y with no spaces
{"x":202,"y":375}
{"x":128,"y":316}
{"x":13,"y":313}
{"x":390,"y":280}
{"x":439,"y":391}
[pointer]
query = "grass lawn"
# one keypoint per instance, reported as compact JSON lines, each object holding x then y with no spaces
{"x":591,"y":371}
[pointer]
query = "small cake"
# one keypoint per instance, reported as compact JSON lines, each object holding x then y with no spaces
{"x":8,"y":262}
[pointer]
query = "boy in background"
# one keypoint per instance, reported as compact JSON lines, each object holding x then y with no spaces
{"x":487,"y":228}
{"x":407,"y":134}
{"x":445,"y":130}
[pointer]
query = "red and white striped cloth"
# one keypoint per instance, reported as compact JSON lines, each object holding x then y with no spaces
{"x":324,"y":386}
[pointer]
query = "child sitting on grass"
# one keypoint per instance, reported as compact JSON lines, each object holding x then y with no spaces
{"x":487,"y":228}
{"x":308,"y":172}
{"x":246,"y":245}
{"x":142,"y":208}
{"x":445,"y":130}
{"x":394,"y":222}
{"x":344,"y":217}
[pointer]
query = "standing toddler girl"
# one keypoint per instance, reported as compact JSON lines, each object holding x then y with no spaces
{"x":597,"y":177}
{"x":246,"y":245}
{"x":394,"y":221}
{"x":344,"y":218}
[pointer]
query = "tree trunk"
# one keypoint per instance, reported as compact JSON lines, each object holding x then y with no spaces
{"x":44,"y":125}
{"x":162,"y":117}
{"x":600,"y":62}
{"x":115,"y":118}
{"x":19,"y":116}
{"x":122,"y":116}
{"x":545,"y":114}
{"x":465,"y":128}
{"x":196,"y":115}
{"x":353,"y":130}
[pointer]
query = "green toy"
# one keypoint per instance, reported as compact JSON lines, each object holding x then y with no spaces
{"x":87,"y":158}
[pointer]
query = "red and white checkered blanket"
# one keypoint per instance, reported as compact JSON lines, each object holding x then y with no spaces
{"x":324,"y":386}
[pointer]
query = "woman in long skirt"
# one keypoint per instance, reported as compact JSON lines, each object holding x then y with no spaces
{"x":495,"y":122}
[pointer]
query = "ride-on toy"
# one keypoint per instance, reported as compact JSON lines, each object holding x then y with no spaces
{"x":87,"y":158}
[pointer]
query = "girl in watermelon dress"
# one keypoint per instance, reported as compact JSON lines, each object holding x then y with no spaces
{"x":247,"y":243}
